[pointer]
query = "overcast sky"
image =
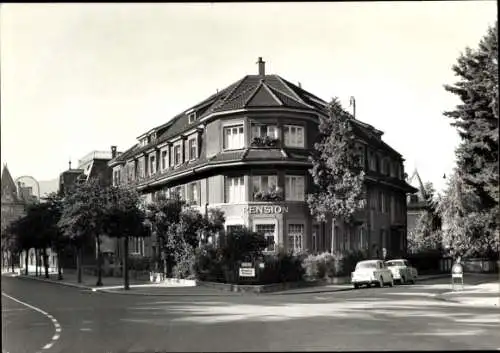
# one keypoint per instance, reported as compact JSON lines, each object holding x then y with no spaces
{"x":82,"y":77}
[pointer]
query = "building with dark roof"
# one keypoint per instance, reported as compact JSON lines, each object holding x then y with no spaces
{"x":249,"y":142}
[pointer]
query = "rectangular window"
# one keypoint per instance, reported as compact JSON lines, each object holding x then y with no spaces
{"x":192,"y":194}
{"x":177,"y":191}
{"x":193,"y":149}
{"x":177,"y":155}
{"x":373,"y":162}
{"x":136,"y":246}
{"x":235,"y":189}
{"x":234,"y":137}
{"x":152,"y":165}
{"x":192,"y":117}
{"x":293,"y":135}
{"x":268,"y":230}
{"x":234,"y":228}
{"x":164,"y":160}
{"x":380,"y":201}
{"x":296,"y":237}
{"x":264,"y":130}
{"x":294,"y":187}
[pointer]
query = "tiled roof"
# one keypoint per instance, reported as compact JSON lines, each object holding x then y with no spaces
{"x":228,"y":156}
{"x":252,"y":91}
{"x":259,"y":154}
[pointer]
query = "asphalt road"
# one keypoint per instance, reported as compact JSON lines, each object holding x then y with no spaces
{"x":197,"y":319}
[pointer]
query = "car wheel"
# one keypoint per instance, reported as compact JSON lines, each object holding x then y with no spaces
{"x":356,"y":286}
{"x":403,"y":280}
{"x":381,"y":282}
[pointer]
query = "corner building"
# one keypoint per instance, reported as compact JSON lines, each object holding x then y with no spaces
{"x":245,"y":150}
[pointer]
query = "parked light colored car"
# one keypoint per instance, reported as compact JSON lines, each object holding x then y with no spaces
{"x":370,"y":272}
{"x":402,"y":271}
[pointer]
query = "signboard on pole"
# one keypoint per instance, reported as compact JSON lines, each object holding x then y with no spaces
{"x":247,"y":272}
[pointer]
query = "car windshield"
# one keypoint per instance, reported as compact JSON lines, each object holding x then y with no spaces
{"x":395,"y":263}
{"x":366,"y":265}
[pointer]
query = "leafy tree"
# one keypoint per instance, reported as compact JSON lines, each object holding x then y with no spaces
{"x":58,"y":240}
{"x":163,"y":215}
{"x":476,"y":120}
{"x":337,"y":171}
{"x":21,"y":236}
{"x":124,"y":218}
{"x":83,"y":219}
{"x":468,"y":230}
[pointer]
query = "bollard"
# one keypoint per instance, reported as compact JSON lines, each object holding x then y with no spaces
{"x":457,"y":274}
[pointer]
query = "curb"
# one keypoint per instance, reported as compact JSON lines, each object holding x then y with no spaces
{"x":131,"y":292}
{"x":61,"y":283}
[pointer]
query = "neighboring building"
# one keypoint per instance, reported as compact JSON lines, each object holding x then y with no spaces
{"x":14,"y":202}
{"x":249,"y":143}
{"x":93,"y":165}
{"x":416,"y":203}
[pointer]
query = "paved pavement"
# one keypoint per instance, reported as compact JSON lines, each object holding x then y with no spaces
{"x":409,"y":317}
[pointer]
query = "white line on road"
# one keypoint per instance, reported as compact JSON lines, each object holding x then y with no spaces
{"x":54,"y":321}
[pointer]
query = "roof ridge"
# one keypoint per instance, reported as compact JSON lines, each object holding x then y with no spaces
{"x":287,"y":95}
{"x":285,"y":83}
{"x":256,"y":89}
{"x":272,"y":93}
{"x":236,"y":85}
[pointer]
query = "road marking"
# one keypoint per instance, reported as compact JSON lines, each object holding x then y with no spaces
{"x":54,"y":321}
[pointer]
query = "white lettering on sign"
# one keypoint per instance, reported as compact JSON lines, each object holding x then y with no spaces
{"x":266,"y":209}
{"x":246,"y":264}
{"x":247,"y":272}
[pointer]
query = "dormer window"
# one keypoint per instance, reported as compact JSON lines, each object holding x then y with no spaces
{"x":192,"y":117}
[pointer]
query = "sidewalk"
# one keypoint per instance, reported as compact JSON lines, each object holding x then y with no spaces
{"x":343,"y":287}
{"x":88,"y":281}
{"x":481,"y":295}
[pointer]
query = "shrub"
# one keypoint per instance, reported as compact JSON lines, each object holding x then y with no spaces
{"x":208,"y":264}
{"x":139,"y":263}
{"x":185,"y":263}
{"x":281,"y":267}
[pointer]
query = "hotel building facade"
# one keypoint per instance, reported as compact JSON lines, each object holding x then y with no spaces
{"x":245,"y":150}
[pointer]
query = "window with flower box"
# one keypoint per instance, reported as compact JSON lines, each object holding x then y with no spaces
{"x":265,"y":188}
{"x":264,"y":135}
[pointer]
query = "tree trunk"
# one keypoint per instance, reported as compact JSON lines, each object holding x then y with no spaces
{"x":59,"y":269}
{"x":36,"y":262}
{"x":46,"y":262}
{"x":26,"y":262}
{"x":12,"y":262}
{"x":333,"y":235}
{"x":99,"y":263}
{"x":79,"y":264}
{"x":126,"y":285}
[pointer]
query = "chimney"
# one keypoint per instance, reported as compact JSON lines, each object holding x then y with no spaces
{"x":300,"y":85}
{"x":69,"y":164}
{"x":262,"y":67}
{"x":113,"y":151}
